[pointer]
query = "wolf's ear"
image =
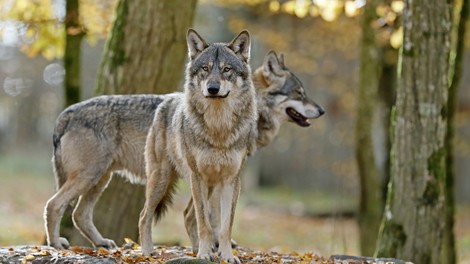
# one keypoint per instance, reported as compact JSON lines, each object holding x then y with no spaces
{"x":241,"y":45}
{"x":272,"y":68}
{"x":280,"y":58}
{"x":196,"y":44}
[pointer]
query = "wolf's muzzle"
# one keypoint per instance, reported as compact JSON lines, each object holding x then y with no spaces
{"x":213,"y":88}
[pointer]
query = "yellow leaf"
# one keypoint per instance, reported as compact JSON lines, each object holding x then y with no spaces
{"x":128,"y":240}
{"x":396,"y":39}
{"x":28,"y":258}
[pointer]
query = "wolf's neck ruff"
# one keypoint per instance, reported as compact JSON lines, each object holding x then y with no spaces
{"x":220,"y":121}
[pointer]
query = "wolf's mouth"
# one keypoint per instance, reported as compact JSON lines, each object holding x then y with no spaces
{"x":218,"y":96}
{"x":297,"y":117}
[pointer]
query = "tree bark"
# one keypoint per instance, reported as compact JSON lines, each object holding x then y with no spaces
{"x":72,"y":81}
{"x":370,"y":200}
{"x":147,"y":47}
{"x":145,"y":53}
{"x":73,"y":39}
{"x":387,"y":97}
{"x":448,"y":245}
{"x":413,"y":223}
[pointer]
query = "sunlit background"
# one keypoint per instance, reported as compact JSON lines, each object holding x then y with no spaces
{"x":300,"y":193}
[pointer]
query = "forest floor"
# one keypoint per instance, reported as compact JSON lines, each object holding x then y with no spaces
{"x":270,"y":220}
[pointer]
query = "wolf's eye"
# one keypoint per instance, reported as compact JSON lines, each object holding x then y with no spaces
{"x":205,"y":68}
{"x":227,"y":69}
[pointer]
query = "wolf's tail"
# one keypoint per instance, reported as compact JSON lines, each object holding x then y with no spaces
{"x":165,"y":203}
{"x":151,"y":158}
{"x":59,"y":131}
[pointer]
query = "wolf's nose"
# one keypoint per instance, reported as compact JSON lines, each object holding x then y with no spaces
{"x":321,"y":111}
{"x":213,"y":88}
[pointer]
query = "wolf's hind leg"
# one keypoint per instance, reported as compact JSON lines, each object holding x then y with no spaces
{"x":191,"y":225}
{"x":83,"y":214}
{"x":56,"y":206}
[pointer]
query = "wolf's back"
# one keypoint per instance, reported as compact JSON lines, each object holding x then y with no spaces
{"x":111,"y":118}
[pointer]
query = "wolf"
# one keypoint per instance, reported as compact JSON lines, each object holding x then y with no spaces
{"x":281,"y":98}
{"x":204,"y":135}
{"x":93,"y":138}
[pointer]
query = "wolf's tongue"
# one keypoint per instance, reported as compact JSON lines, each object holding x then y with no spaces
{"x":303,"y":122}
{"x":297,"y":117}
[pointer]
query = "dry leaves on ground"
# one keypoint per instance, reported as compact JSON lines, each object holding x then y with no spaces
{"x":131,"y":253}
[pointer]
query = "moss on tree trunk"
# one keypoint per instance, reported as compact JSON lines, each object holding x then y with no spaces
{"x":413,"y":223}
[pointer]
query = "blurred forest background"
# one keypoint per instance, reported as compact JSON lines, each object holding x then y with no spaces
{"x":300,"y":193}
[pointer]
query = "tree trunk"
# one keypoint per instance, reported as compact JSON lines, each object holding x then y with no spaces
{"x":370,"y":199}
{"x":413,"y":223}
{"x":147,"y":47}
{"x":448,"y":245}
{"x":73,"y":40}
{"x":72,"y":81}
{"x":387,"y":97}
{"x":145,"y":53}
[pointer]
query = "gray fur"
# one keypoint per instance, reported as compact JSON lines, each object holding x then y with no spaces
{"x":204,"y":136}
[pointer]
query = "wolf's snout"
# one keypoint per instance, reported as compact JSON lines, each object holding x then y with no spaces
{"x":213,"y":88}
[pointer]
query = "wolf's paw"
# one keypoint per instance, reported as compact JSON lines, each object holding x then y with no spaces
{"x":147,"y":250}
{"x":206,"y":256}
{"x":232,"y":259}
{"x":106,"y":243}
{"x":233,"y":243}
{"x":62,"y":243}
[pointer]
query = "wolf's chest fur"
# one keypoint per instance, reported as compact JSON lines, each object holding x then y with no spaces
{"x":215,"y":165}
{"x":218,"y":140}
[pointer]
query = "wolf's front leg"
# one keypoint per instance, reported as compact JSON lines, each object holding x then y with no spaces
{"x":228,"y":202}
{"x":200,"y":195}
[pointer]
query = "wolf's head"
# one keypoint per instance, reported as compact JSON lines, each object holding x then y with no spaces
{"x":219,"y":70}
{"x":283,"y":92}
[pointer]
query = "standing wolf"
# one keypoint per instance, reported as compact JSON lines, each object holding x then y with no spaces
{"x":204,"y":136}
{"x":280,"y":98}
{"x":107,"y":133}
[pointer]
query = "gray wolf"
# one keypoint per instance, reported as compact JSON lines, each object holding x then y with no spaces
{"x":281,"y":98}
{"x":204,"y":136}
{"x":91,"y":140}
{"x":108,"y":133}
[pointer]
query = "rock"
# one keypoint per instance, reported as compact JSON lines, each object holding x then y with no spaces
{"x":340,"y":259}
{"x":187,"y":260}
